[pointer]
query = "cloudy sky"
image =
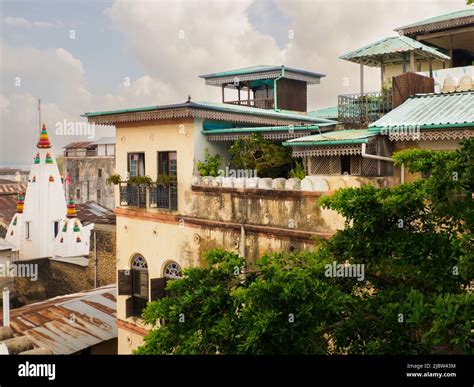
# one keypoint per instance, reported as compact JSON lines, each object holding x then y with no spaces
{"x":83,"y":55}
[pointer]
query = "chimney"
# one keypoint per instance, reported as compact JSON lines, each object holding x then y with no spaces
{"x":6,"y":307}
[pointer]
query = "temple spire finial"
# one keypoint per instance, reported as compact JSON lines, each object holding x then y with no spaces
{"x":71,"y":208}
{"x":44,"y":142}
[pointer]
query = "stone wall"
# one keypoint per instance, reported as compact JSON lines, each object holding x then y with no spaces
{"x":57,"y":278}
{"x":85,"y":177}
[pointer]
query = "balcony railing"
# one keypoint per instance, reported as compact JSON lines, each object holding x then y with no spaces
{"x":261,"y":103}
{"x":132,"y":195}
{"x":363,"y":108}
{"x":164,"y":196}
{"x":159,"y":195}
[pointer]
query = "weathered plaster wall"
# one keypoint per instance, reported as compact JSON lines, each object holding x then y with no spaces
{"x":89,"y":180}
{"x":59,"y":278}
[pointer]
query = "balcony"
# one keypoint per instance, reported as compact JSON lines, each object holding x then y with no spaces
{"x":261,"y":103}
{"x":163,"y":196}
{"x":363,"y":108}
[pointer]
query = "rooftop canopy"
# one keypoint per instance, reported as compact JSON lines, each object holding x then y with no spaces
{"x":448,"y":20}
{"x":392,"y":50}
{"x":431,"y":111}
{"x":257,"y":74}
{"x":337,"y":137}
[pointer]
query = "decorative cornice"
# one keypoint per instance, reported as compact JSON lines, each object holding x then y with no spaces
{"x":335,"y":150}
{"x":435,"y":135}
{"x":186,"y":112}
{"x":268,"y":136}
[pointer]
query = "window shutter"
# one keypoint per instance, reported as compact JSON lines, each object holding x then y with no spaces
{"x":144,"y":284}
{"x":124,"y":283}
{"x":158,"y":286}
{"x":129,"y":307}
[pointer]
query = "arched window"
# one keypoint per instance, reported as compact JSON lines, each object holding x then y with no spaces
{"x":139,"y":284}
{"x":172,"y":271}
{"x":138,"y":262}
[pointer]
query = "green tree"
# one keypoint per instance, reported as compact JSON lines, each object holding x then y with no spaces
{"x":255,"y":153}
{"x":415,"y":242}
{"x":211,"y":164}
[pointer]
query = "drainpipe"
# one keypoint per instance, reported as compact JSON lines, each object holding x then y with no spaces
{"x":242,"y":241}
{"x":6,"y":307}
{"x":275,"y":99}
{"x":364,"y":154}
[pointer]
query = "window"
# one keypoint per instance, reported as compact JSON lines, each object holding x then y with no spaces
{"x":139,"y":285}
{"x":78,"y":194}
{"x":27,"y":230}
{"x":55,"y":228}
{"x":99,"y":196}
{"x":99,"y":172}
{"x":167,"y":163}
{"x":172,"y":271}
{"x":136,"y":164}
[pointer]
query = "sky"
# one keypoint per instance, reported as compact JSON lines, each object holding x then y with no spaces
{"x":81,"y":55}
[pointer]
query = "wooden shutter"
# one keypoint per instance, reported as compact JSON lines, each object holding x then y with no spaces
{"x":158,"y":286}
{"x":144,"y":284}
{"x":124,"y":283}
{"x":129,"y":307}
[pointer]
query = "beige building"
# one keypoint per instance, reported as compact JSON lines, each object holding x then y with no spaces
{"x":163,"y":228}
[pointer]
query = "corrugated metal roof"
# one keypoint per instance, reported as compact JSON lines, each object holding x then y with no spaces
{"x":5,"y":245}
{"x":428,"y":110}
{"x":260,"y":69}
{"x":70,"y":323}
{"x":104,"y":141}
{"x":441,"y":18}
{"x":392,"y":48}
{"x":330,"y":113}
{"x":93,"y":212}
{"x":342,"y":136}
{"x":78,"y":145}
{"x":215,"y":106}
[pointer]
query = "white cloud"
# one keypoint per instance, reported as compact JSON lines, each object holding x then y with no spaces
{"x":22,"y":22}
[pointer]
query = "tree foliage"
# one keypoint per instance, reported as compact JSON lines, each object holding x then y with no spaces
{"x":255,"y":153}
{"x":211,"y":164}
{"x":415,"y":241}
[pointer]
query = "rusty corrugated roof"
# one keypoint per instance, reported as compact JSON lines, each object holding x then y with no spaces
{"x":70,"y":323}
{"x":78,"y":145}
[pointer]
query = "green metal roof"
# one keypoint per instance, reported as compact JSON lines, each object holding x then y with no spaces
{"x":468,"y":12}
{"x":261,"y":129}
{"x":224,"y":107}
{"x":432,"y":111}
{"x":337,"y":137}
{"x":330,"y":113}
{"x":260,"y":69}
{"x":391,"y":49}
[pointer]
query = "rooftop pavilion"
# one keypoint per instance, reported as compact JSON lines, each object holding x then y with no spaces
{"x":266,"y":87}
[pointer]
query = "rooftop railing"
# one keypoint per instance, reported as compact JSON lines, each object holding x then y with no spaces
{"x":363,"y":108}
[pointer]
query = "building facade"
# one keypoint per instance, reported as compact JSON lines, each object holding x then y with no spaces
{"x":87,"y":165}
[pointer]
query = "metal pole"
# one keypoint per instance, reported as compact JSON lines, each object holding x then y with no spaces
{"x":95,"y":259}
{"x":6,"y":307}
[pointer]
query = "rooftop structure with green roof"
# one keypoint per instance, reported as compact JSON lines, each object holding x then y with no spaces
{"x":274,"y":87}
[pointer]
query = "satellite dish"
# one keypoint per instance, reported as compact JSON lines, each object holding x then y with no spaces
{"x":3,"y":349}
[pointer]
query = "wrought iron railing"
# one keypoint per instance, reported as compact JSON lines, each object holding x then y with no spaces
{"x":363,"y":108}
{"x":159,"y":195}
{"x":132,"y":195}
{"x":164,"y":196}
